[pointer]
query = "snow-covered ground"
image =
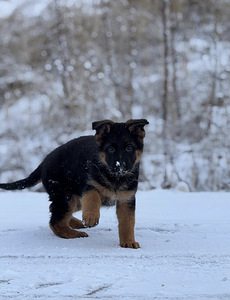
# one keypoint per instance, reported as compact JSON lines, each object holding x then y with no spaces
{"x":184,"y":254}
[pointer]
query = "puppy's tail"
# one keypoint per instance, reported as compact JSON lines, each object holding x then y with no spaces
{"x":33,"y":179}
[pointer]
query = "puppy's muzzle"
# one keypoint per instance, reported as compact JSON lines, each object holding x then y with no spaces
{"x":120,"y":168}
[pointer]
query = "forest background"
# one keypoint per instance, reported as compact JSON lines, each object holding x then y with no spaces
{"x":64,"y":64}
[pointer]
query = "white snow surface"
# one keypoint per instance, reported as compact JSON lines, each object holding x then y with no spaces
{"x":184,"y":254}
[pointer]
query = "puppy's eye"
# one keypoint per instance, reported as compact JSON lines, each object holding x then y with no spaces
{"x":129,"y":148}
{"x":111,"y":149}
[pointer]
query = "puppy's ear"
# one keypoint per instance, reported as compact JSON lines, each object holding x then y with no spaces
{"x":103,"y":129}
{"x":136,"y":127}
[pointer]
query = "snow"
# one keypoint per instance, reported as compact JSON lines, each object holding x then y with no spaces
{"x":184,"y":252}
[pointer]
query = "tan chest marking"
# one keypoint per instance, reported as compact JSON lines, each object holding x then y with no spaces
{"x":119,"y":195}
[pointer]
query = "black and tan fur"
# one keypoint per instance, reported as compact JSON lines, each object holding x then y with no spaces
{"x":88,"y":172}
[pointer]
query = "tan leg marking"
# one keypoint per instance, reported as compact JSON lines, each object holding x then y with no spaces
{"x":91,"y":203}
{"x":126,"y":219}
{"x":62,"y":228}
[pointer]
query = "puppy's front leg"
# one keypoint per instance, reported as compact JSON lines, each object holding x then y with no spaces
{"x":126,"y":219}
{"x":91,"y":203}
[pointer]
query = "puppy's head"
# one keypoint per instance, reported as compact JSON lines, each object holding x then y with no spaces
{"x":120,"y":144}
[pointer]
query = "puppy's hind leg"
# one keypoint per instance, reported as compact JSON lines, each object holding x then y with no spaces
{"x":76,"y":223}
{"x":76,"y":206}
{"x":61,"y":218}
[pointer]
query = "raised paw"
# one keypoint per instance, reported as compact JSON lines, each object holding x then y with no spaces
{"x":128,"y":244}
{"x":91,"y":202}
{"x":90,"y":220}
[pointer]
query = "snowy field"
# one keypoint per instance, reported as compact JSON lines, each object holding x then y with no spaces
{"x":184,"y":254}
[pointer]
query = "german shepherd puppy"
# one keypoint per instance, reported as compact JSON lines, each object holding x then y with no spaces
{"x":90,"y":171}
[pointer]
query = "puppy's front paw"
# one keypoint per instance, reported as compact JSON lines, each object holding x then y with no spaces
{"x":130,"y":244}
{"x":91,"y":202}
{"x":90,"y":220}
